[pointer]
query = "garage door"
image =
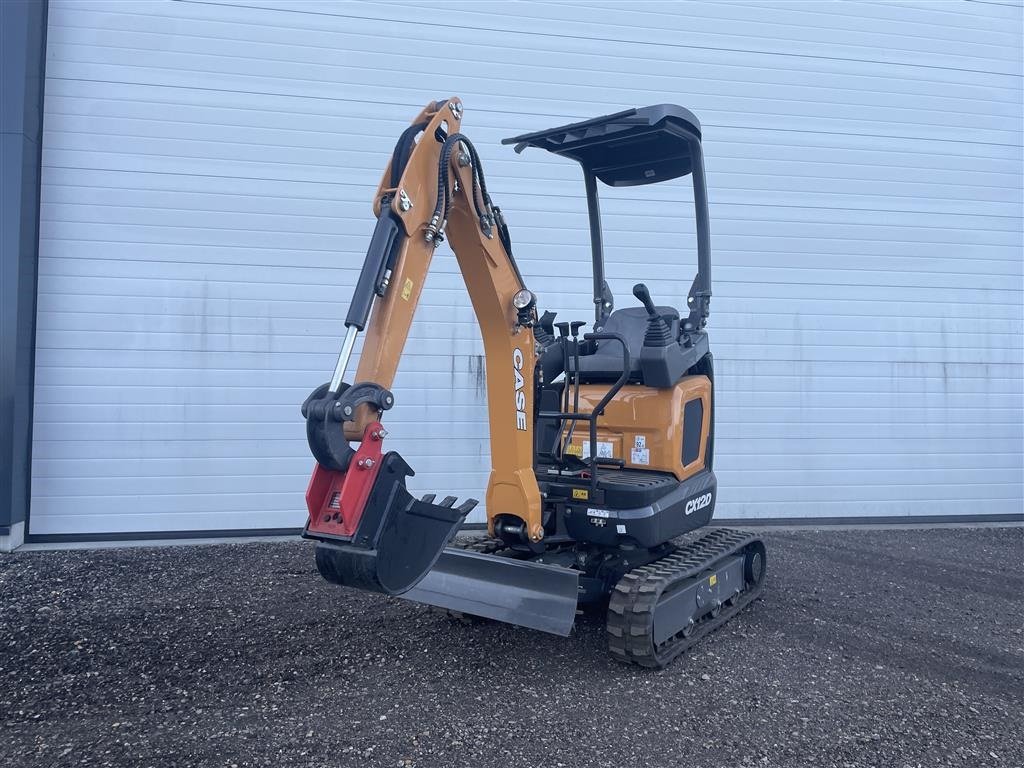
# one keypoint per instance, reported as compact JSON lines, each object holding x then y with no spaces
{"x":207,"y":174}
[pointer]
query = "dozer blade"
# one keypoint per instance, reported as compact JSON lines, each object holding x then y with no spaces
{"x":518,"y":592}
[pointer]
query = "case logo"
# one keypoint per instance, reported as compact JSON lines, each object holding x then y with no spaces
{"x":517,"y":364}
{"x":698,"y":503}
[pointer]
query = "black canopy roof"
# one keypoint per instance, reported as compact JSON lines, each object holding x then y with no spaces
{"x":636,"y":146}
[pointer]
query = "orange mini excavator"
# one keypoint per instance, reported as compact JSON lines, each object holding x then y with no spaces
{"x":602,"y":443}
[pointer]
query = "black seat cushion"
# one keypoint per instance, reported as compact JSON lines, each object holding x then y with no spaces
{"x":605,"y":365}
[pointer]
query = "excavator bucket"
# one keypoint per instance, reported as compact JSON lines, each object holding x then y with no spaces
{"x":372,"y":533}
{"x":410,"y":536}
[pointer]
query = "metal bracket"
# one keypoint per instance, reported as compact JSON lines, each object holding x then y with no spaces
{"x":344,"y":408}
{"x":323,"y":410}
{"x":605,"y":304}
{"x":698,"y":303}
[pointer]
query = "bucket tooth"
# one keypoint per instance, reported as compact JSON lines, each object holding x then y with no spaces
{"x":467,"y":506}
{"x":428,"y":498}
{"x":398,"y":538}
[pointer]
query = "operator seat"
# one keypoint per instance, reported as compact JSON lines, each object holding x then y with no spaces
{"x":605,"y":365}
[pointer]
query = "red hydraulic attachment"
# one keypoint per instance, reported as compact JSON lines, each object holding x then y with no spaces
{"x":336,"y":500}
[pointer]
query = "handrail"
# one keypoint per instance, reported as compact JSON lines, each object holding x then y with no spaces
{"x":599,"y":408}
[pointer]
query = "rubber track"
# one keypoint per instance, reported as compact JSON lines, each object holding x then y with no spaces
{"x":485,"y":545}
{"x":634,"y":599}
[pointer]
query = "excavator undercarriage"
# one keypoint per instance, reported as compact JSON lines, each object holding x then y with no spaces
{"x":602,"y":442}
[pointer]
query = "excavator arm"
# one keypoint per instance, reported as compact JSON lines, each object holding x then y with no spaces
{"x":379,"y":536}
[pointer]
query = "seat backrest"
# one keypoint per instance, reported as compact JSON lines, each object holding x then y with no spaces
{"x":605,"y":365}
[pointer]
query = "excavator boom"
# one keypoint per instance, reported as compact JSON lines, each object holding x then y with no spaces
{"x":372,"y":533}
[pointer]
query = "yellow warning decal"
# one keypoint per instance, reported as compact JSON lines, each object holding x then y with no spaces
{"x":712,"y":581}
{"x":580,"y":493}
{"x":407,"y":289}
{"x":575,"y":450}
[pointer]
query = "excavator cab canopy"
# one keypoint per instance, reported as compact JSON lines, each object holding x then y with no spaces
{"x":629,"y":148}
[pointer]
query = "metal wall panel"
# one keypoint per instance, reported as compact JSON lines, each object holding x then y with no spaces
{"x":207,"y":175}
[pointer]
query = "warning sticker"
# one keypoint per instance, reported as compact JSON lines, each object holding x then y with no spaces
{"x":640,"y":442}
{"x":604,"y":450}
{"x":640,"y":456}
{"x":407,"y":289}
{"x":598,"y":512}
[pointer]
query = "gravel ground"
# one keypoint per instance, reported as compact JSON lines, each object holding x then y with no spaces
{"x":870,"y":648}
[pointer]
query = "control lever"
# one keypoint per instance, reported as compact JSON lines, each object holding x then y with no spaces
{"x":661,"y":359}
{"x":547,"y":321}
{"x":570,"y":352}
{"x":544,"y":330}
{"x":658,"y":333}
{"x":563,"y":334}
{"x":641,"y":292}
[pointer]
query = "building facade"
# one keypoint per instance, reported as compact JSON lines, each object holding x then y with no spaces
{"x":205,"y":173}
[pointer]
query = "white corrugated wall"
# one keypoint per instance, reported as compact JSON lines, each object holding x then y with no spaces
{"x":207,"y":175}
